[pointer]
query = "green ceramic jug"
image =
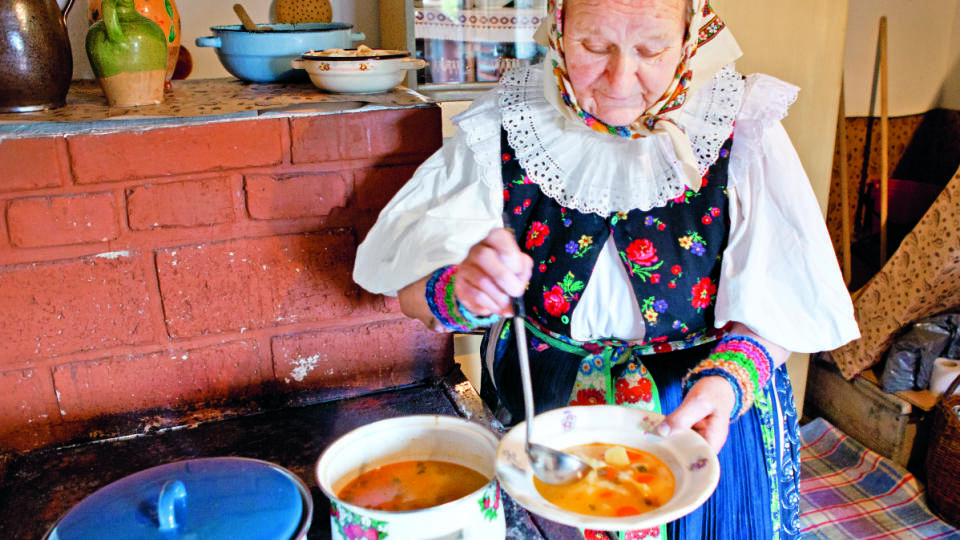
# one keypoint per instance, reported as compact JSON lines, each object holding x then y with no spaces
{"x":128,"y":54}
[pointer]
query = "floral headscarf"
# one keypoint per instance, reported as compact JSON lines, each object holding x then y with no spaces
{"x":707,"y":47}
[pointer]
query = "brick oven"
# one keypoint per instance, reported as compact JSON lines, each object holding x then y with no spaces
{"x":154,"y":275}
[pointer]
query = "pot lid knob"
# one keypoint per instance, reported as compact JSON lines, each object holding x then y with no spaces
{"x":172,"y":492}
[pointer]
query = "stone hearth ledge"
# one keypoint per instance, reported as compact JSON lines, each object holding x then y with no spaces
{"x":197,"y":101}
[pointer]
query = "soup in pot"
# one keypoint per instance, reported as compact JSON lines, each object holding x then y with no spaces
{"x":624,"y":482}
{"x":412,"y":485}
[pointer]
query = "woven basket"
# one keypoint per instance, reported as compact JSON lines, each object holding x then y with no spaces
{"x":943,"y":457}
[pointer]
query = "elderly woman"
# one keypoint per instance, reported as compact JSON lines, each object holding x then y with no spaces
{"x":644,"y":200}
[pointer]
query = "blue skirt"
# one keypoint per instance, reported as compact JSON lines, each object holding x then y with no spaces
{"x":758,"y":493}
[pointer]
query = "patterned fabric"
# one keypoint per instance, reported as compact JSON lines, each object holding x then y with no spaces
{"x":850,"y":492}
{"x":671,"y":254}
{"x":698,"y":63}
{"x":688,"y":244}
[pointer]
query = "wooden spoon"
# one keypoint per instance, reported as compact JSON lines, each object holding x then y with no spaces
{"x":247,"y":22}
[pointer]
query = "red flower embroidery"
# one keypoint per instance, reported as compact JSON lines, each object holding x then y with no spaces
{"x":506,"y":195}
{"x":589,"y":396}
{"x":644,"y":390}
{"x":642,"y":252}
{"x":702,"y":293}
{"x":537,"y":234}
{"x":625,"y":393}
{"x":672,"y":285}
{"x":505,"y":157}
{"x":526,"y":203}
{"x":654,"y":278}
{"x":633,"y":394}
{"x":555,"y":302}
{"x":714,"y":211}
{"x":676,"y":269}
{"x":661,"y":226}
{"x":543,"y":268}
{"x":707,"y":220}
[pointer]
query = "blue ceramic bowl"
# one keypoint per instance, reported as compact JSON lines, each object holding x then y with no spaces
{"x":264,"y":57}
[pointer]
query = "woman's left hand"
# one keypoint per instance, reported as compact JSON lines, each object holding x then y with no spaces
{"x":706,"y":410}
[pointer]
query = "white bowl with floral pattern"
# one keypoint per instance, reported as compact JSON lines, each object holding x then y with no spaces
{"x":693,"y":463}
{"x":476,"y":516}
{"x":357,"y":71}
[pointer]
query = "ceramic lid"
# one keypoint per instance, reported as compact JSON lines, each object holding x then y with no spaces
{"x":209,"y":498}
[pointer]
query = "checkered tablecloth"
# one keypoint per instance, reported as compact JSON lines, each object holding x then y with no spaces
{"x":850,"y":492}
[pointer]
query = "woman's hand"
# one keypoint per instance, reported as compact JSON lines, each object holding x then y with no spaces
{"x":706,"y":410}
{"x":495,"y":269}
{"x":711,"y":400}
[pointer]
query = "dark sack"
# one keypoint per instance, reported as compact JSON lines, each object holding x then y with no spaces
{"x":910,"y":359}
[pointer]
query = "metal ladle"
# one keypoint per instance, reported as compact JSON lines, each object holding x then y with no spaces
{"x":549,"y":465}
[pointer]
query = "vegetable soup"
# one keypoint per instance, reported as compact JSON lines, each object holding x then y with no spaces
{"x":623,"y":482}
{"x":412,"y":485}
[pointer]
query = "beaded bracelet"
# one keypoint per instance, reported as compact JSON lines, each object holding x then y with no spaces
{"x":445,"y":306}
{"x":743,"y":362}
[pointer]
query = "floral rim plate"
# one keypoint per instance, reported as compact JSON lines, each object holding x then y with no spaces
{"x":693,"y":463}
{"x":354,"y":55}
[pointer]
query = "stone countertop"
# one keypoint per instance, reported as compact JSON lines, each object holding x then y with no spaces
{"x":195,"y":101}
{"x":42,"y":486}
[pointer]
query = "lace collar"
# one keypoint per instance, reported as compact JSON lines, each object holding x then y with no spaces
{"x":598,"y":173}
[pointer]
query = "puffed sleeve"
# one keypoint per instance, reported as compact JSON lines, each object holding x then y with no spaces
{"x":453,"y":201}
{"x":779,"y":274}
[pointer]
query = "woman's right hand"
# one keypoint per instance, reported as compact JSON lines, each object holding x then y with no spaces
{"x":494,"y":270}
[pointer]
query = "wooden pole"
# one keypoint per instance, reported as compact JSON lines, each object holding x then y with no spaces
{"x":884,"y":142}
{"x":844,"y":188}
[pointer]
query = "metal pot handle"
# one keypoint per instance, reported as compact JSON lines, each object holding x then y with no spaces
{"x":208,"y":41}
{"x":414,"y":63}
{"x":65,"y":10}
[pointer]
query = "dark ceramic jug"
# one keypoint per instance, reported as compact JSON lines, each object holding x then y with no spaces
{"x":36,"y":64}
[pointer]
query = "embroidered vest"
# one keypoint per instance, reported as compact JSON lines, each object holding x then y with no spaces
{"x":671,"y":253}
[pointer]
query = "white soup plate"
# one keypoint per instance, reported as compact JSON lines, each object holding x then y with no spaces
{"x":691,"y":460}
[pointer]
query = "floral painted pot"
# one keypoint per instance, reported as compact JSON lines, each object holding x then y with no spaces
{"x":477,"y":516}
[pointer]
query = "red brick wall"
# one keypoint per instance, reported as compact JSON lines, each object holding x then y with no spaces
{"x":160,"y":277}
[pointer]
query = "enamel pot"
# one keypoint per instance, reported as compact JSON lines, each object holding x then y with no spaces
{"x":264,"y":56}
{"x":476,"y":516}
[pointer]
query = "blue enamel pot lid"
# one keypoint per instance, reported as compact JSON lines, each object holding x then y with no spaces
{"x":210,"y":498}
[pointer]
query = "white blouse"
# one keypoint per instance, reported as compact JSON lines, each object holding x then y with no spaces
{"x":779,"y":274}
